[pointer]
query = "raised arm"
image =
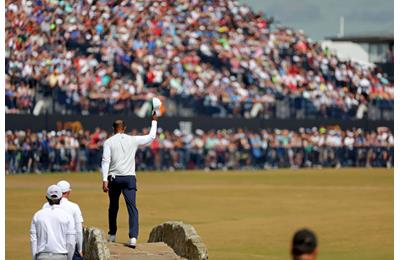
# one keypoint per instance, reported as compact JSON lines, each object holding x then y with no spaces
{"x":146,"y":139}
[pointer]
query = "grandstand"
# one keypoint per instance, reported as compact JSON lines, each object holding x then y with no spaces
{"x":85,"y":59}
{"x":214,"y":58}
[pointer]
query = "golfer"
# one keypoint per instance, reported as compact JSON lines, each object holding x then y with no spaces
{"x":52,"y":232}
{"x":75,"y":212}
{"x":118,"y":168}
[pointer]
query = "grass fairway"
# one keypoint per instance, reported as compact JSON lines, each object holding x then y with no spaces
{"x":239,"y":215}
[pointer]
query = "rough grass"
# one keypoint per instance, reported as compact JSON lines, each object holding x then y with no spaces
{"x":239,"y":215}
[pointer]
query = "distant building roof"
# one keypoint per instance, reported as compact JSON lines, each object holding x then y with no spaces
{"x":376,"y":37}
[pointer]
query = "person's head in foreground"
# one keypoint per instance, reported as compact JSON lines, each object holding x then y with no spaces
{"x":119,"y":126}
{"x":304,"y":245}
{"x":65,"y":188}
{"x":54,"y":195}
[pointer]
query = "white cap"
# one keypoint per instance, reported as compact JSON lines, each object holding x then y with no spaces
{"x":64,"y":186}
{"x":54,"y":192}
{"x":156,"y":105}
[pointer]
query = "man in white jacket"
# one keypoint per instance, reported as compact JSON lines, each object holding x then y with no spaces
{"x":73,"y":209}
{"x":52,"y":231}
{"x":118,"y":169}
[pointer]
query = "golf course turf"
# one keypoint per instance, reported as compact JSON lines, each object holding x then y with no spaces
{"x":238,"y":214}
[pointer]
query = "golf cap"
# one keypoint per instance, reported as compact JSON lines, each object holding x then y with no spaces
{"x":156,"y":105}
{"x":304,"y":242}
{"x":64,"y":186}
{"x":54,"y":192}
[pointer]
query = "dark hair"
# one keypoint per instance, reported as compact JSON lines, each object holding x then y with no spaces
{"x":304,"y":242}
{"x":119,"y":124}
{"x":53,"y":200}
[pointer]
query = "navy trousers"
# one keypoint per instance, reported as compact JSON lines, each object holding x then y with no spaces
{"x":126,"y":185}
{"x":76,"y":255}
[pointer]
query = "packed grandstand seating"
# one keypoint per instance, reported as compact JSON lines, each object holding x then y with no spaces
{"x":215,"y":58}
{"x":224,"y":149}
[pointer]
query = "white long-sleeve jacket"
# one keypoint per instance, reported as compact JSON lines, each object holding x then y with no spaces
{"x":76,"y":213}
{"x":53,"y":231}
{"x":119,"y":152}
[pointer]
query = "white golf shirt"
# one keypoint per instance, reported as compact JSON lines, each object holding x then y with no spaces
{"x":73,"y":209}
{"x":119,"y":152}
{"x":52,"y":231}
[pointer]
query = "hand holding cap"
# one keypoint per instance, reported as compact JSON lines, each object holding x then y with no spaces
{"x":156,"y":106}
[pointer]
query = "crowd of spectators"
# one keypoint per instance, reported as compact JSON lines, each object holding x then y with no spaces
{"x":223,"y":149}
{"x":218,"y":57}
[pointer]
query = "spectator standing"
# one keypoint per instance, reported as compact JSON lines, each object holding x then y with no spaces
{"x":233,"y":149}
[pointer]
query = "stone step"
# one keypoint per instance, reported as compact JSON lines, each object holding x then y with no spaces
{"x":144,"y":251}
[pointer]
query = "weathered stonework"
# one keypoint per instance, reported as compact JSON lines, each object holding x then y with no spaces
{"x":95,"y":244}
{"x":182,"y":238}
